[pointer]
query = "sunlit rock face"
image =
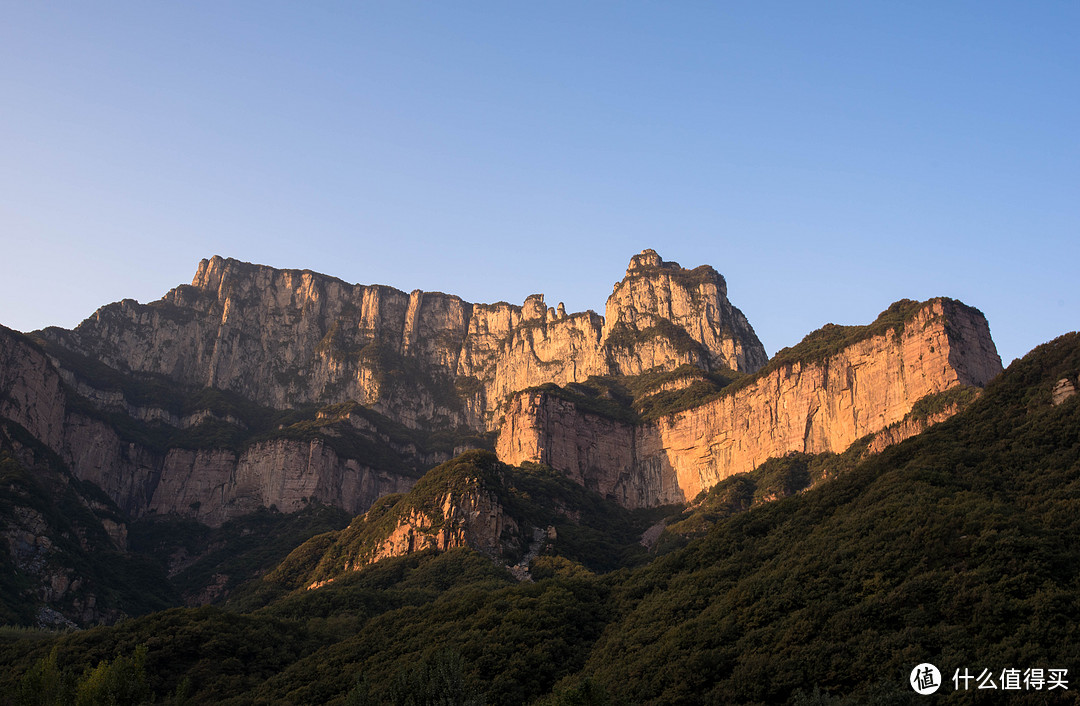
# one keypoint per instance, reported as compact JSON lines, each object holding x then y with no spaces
{"x":677,"y":316}
{"x":813,"y":406}
{"x":1063,"y":390}
{"x":429,"y":360}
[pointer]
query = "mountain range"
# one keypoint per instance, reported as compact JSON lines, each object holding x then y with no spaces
{"x":363,"y":495}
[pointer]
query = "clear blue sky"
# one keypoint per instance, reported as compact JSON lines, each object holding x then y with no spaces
{"x":827,"y":158}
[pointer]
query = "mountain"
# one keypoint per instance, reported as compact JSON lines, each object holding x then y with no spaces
{"x":269,"y":440}
{"x":956,"y":547}
{"x":255,"y":387}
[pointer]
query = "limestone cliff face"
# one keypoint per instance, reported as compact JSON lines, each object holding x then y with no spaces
{"x":593,"y":450}
{"x":30,"y":389}
{"x":210,"y":484}
{"x":429,"y":360}
{"x":215,"y":485}
{"x":813,"y":406}
{"x":708,"y":331}
{"x":279,"y":337}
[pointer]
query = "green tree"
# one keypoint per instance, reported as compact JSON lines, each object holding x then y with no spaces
{"x":45,"y":684}
{"x":121,"y":682}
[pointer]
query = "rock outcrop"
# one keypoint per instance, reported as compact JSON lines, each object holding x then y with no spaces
{"x":286,"y":338}
{"x":458,"y":504}
{"x":804,"y":401}
{"x":512,"y":515}
{"x":1063,"y":390}
{"x":472,"y":519}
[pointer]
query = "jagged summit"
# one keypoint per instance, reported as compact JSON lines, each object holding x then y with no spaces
{"x":429,"y":360}
{"x":660,"y":304}
{"x":646,"y":258}
{"x":648,"y":261}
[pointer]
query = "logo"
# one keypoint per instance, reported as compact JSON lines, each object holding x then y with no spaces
{"x":925,"y":679}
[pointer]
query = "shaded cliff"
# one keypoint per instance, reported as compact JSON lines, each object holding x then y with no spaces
{"x":205,"y":455}
{"x":839,"y":384}
{"x":288,"y":338}
{"x":64,"y":558}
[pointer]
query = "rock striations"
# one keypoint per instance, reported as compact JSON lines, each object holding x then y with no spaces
{"x":286,"y":338}
{"x":810,"y":399}
{"x":661,"y":315}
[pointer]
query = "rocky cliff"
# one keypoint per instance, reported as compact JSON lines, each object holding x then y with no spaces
{"x":132,"y":399}
{"x":840,"y":384}
{"x":183,"y":464}
{"x":286,"y":338}
{"x":661,"y":315}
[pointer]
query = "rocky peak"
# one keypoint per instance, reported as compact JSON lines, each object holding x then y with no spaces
{"x":209,"y":274}
{"x":649,"y":263}
{"x":533,"y":308}
{"x":708,"y":331}
{"x":645,"y":259}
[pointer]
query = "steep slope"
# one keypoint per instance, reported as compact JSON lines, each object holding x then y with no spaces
{"x":839,"y":384}
{"x":286,"y":338}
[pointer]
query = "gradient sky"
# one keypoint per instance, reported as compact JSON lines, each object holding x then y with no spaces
{"x":828,"y":158}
